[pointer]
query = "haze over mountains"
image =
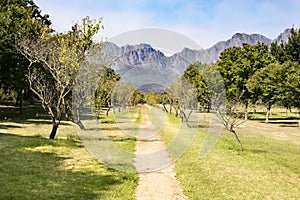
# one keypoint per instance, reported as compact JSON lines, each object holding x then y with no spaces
{"x":143,"y":65}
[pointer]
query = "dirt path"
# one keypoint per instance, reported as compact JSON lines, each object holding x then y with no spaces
{"x":157,"y":178}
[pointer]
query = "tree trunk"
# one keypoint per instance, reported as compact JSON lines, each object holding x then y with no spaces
{"x":268,"y":113}
{"x":80,"y":124}
{"x":19,"y":100}
{"x":107,"y":111}
{"x":182,"y":115}
{"x":188,"y":116}
{"x":77,"y":120}
{"x":166,"y":110}
{"x":237,"y":139}
{"x":208,"y":108}
{"x":54,"y":129}
{"x":246,"y":111}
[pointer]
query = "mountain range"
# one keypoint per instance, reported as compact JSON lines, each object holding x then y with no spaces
{"x":141,"y":64}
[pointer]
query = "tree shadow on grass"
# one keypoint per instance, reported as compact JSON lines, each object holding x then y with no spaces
{"x":283,"y":122}
{"x":121,"y":139}
{"x":4,"y":126}
{"x":33,"y":114}
{"x":255,"y":151}
{"x":28,"y":174}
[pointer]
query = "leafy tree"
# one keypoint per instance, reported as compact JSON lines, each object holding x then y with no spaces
{"x":237,"y":65}
{"x":18,"y":18}
{"x":287,"y":53}
{"x":287,"y":50}
{"x":269,"y":84}
{"x":164,"y":100}
{"x":152,"y":98}
{"x":194,"y":75}
{"x":208,"y":83}
{"x":83,"y":91}
{"x":185,"y":98}
{"x":54,"y":61}
{"x":292,"y":47}
{"x":231,"y":118}
{"x":136,"y":97}
{"x":105,"y":88}
{"x":278,"y":51}
{"x":292,"y":83}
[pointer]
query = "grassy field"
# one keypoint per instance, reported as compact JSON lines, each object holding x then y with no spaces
{"x":34,"y":167}
{"x":268,"y":168}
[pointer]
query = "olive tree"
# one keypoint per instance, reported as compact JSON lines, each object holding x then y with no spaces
{"x":54,"y":60}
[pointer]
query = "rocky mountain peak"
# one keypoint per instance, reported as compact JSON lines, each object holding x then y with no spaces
{"x":284,"y":36}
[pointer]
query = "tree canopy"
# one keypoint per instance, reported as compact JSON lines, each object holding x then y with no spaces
{"x":18,"y":18}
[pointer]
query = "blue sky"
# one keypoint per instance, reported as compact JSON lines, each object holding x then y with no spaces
{"x":204,"y":21}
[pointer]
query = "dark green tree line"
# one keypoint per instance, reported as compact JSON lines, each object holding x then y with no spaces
{"x":18,"y":18}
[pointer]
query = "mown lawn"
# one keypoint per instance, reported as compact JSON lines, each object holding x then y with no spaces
{"x":268,"y":168}
{"x":34,"y":167}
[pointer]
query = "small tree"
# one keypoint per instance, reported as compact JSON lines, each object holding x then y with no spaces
{"x":232,"y":118}
{"x":84,"y":87}
{"x":184,"y":94}
{"x":105,"y":87}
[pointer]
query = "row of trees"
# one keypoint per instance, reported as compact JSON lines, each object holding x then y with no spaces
{"x":252,"y":75}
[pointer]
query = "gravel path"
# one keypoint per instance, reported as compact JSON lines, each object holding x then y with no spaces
{"x":157,"y":177}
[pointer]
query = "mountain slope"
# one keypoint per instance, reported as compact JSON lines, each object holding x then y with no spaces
{"x":143,"y":65}
{"x":284,"y":36}
{"x":237,"y":40}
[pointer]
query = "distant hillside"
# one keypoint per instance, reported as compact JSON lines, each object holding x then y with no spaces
{"x":143,"y":65}
{"x":237,"y":40}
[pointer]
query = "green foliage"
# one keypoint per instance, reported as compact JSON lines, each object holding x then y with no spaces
{"x":279,"y":82}
{"x":105,"y":87}
{"x":136,"y":97}
{"x":268,"y":83}
{"x":277,"y":50}
{"x":237,"y":65}
{"x":208,"y":83}
{"x":194,"y":75}
{"x":152,"y":98}
{"x":54,"y":60}
{"x":292,"y":84}
{"x":18,"y":18}
{"x":292,"y":47}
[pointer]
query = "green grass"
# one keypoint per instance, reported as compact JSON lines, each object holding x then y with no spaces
{"x":120,"y":137}
{"x":170,"y":129}
{"x":34,"y":167}
{"x":136,"y":113}
{"x":268,"y":168}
